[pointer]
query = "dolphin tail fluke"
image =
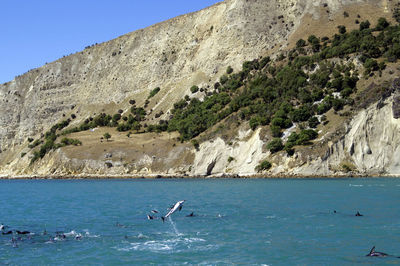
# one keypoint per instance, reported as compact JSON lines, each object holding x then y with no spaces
{"x":163,"y":218}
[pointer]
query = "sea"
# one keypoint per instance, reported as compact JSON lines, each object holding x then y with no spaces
{"x":234,"y":222}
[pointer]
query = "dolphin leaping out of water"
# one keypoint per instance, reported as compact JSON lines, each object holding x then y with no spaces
{"x":177,"y":206}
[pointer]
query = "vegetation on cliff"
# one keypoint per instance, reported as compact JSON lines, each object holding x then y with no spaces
{"x":299,"y":86}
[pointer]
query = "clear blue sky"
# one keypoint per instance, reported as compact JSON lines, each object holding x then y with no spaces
{"x":34,"y":32}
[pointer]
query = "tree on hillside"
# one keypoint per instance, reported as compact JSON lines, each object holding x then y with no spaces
{"x":107,"y":136}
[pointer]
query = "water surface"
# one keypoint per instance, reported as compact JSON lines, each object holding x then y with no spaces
{"x":238,"y":221}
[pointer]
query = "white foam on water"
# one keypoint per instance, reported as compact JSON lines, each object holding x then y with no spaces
{"x":194,"y":239}
{"x":87,"y":234}
{"x":217,"y":262}
{"x":72,"y":233}
{"x":152,"y":246}
{"x":351,"y":185}
{"x":140,"y":236}
{"x":176,"y":244}
{"x":271,"y":217}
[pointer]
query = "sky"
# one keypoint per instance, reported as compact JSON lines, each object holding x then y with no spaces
{"x":33,"y":32}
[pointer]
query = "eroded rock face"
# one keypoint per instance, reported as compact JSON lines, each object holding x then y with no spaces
{"x":396,"y":99}
{"x":371,"y":143}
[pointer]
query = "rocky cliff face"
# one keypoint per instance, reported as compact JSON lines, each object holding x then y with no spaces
{"x":191,"y":49}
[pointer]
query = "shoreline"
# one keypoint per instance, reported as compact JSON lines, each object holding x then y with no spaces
{"x":176,"y":176}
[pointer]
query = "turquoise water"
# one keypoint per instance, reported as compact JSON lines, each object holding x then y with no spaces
{"x":237,"y":221}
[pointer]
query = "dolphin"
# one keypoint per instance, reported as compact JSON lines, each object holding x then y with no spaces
{"x":149,"y":217}
{"x":2,"y":227}
{"x":22,"y":232}
{"x":190,"y":215}
{"x":119,"y":225}
{"x":177,"y":206}
{"x":374,"y":253}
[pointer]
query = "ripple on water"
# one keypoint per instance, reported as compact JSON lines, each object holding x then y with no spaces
{"x":169,"y":245}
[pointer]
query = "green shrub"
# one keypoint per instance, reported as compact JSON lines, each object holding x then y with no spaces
{"x":263,"y":166}
{"x":153,"y":92}
{"x":254,"y":123}
{"x":275,"y":131}
{"x":346,"y":167}
{"x":364,"y":25}
{"x":264,"y":61}
{"x":116,"y":117}
{"x":35,"y":143}
{"x":230,"y":159}
{"x":382,"y":24}
{"x":229,"y":70}
{"x":107,"y":136}
{"x":371,"y":65}
{"x":194,"y":89}
{"x":342,"y":29}
{"x":337,"y":104}
{"x":223,"y":79}
{"x":305,"y":136}
{"x":315,"y":43}
{"x":396,"y":14}
{"x":67,"y":141}
{"x":275,"y":145}
{"x":323,"y":107}
{"x":303,"y":113}
{"x":313,"y":122}
{"x":195,"y":144}
{"x":300,"y":43}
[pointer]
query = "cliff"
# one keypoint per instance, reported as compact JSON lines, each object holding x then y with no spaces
{"x":193,"y":49}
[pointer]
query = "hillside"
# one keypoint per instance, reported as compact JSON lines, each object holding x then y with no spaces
{"x":272,"y":88}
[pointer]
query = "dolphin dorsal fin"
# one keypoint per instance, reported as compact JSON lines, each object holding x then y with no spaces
{"x":372,"y":250}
